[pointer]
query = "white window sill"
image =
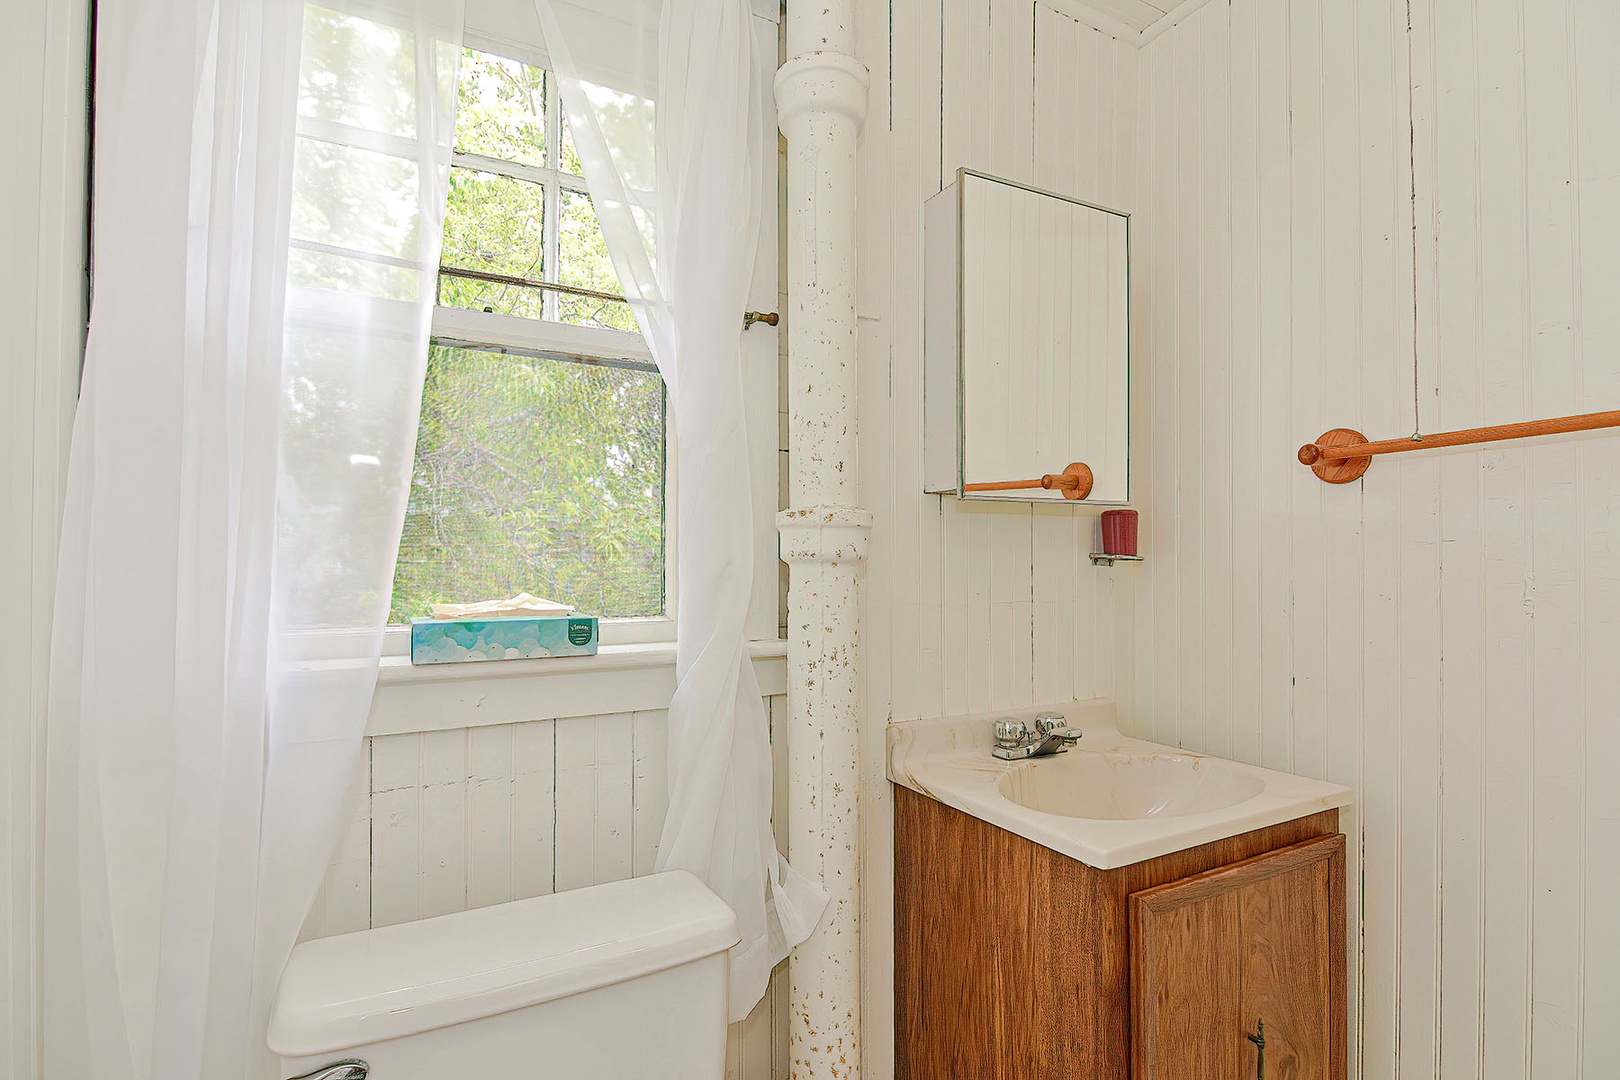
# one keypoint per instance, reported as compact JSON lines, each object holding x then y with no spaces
{"x":618,"y":679}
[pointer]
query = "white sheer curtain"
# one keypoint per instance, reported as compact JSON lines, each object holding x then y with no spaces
{"x":666,"y":106}
{"x":265,"y":239}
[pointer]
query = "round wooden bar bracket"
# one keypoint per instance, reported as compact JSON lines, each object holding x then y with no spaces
{"x":1335,"y":471}
{"x":1075,"y":481}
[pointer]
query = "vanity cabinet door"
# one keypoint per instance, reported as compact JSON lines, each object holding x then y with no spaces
{"x":1215,"y":955}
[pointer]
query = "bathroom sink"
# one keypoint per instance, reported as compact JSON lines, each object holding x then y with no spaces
{"x":1127,"y":786}
{"x":1111,"y":800}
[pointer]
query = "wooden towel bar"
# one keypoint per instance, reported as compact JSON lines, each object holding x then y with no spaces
{"x":1342,"y":455}
{"x":1075,"y":482}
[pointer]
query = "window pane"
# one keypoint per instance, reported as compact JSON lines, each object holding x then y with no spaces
{"x":567,"y":152}
{"x":357,"y":72}
{"x":495,"y":224}
{"x":344,"y":272}
{"x":627,"y":123}
{"x":354,"y":218}
{"x":501,"y":109}
{"x":535,"y":475}
{"x":584,"y":262}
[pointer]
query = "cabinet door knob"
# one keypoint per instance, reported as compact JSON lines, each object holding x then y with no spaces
{"x":1259,"y":1040}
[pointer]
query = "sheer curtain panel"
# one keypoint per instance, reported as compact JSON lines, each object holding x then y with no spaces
{"x":270,"y":182}
{"x":667,"y":106}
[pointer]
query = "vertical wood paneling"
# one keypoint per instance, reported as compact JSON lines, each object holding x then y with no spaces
{"x":1273,"y":477}
{"x":1140,"y":648}
{"x":1419,"y":616}
{"x":1214,"y":371}
{"x":396,"y":829}
{"x":595,"y":811}
{"x":1508,"y":298}
{"x":1161,"y":281}
{"x":1344,"y":238}
{"x":442,"y":798}
{"x":1460,"y":368}
{"x":1594,"y":34}
{"x":1439,"y":634}
{"x":1185,"y":87}
{"x":534,"y":809}
{"x":1058,"y":70}
{"x":491,"y":776}
{"x":649,"y":799}
{"x":447,"y":820}
{"x":1308,"y":359}
{"x":890,"y":109}
{"x":1243,"y":335}
{"x":925,"y":93}
{"x":747,"y":1054}
{"x":1384,"y":316}
{"x":1549,"y":1010}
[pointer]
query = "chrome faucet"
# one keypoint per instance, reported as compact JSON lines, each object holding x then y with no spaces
{"x":1048,"y":734}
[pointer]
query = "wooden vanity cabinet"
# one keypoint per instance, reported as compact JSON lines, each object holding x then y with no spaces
{"x":1013,"y":962}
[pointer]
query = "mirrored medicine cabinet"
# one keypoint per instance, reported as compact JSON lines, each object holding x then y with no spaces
{"x":1026,"y":345}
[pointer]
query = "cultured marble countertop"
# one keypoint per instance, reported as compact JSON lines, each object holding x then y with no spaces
{"x":948,"y":759}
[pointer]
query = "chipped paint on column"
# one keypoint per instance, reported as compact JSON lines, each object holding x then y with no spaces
{"x":821,"y":101}
{"x":826,"y":548}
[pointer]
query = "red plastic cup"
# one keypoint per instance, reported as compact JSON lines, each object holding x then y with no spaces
{"x":1119,"y":532}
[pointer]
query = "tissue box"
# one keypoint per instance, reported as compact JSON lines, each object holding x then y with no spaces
{"x":458,"y":641}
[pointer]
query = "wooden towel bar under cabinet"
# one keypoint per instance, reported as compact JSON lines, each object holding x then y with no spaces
{"x":1075,"y":482}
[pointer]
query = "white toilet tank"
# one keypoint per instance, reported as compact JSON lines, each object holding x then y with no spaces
{"x":625,"y":981}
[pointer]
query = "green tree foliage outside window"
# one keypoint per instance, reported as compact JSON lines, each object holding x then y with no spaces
{"x":532,"y":474}
{"x":535,"y":475}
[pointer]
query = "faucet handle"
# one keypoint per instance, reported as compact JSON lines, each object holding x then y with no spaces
{"x":1051,"y":725}
{"x":1048,"y":722}
{"x":1011,"y":733}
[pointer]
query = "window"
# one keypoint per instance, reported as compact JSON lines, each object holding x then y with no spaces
{"x":540,"y":462}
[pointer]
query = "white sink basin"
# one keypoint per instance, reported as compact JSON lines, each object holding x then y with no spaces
{"x":1122,"y":787}
{"x":1110,"y":801}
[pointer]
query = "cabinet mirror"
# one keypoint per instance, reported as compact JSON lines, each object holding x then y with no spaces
{"x":1027,"y":344}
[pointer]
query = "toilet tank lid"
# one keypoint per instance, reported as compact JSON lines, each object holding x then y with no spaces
{"x":360,"y":988}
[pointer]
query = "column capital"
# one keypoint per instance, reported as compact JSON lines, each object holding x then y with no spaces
{"x":824,"y":534}
{"x":830,"y":82}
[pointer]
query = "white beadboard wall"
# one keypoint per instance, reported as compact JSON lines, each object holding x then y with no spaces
{"x":44,"y":65}
{"x":969,"y":606}
{"x":1442,"y":634}
{"x":1423,"y":635}
{"x":443,"y":821}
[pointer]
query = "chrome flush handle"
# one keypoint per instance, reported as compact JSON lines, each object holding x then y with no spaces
{"x":351,"y":1069}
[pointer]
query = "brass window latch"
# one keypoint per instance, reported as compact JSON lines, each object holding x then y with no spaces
{"x":769,"y":318}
